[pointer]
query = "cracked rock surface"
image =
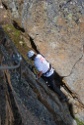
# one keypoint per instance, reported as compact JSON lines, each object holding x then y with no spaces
{"x":26,"y":101}
{"x":57,"y":29}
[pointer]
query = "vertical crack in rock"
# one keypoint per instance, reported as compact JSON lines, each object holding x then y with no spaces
{"x":5,"y":6}
{"x":33,"y":44}
{"x":15,"y":24}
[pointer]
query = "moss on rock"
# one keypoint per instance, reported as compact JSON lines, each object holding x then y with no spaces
{"x":14,"y":35}
{"x":79,"y":122}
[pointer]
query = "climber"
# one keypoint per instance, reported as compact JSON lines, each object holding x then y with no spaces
{"x":45,"y":69}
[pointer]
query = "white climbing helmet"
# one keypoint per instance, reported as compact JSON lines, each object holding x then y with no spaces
{"x":30,"y":53}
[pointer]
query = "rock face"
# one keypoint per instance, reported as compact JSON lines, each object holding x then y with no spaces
{"x":57,"y":30}
{"x":26,"y":101}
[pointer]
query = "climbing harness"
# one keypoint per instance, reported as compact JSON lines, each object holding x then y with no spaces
{"x":47,"y":70}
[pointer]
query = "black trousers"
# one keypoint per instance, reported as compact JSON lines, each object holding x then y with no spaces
{"x":55,"y":87}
